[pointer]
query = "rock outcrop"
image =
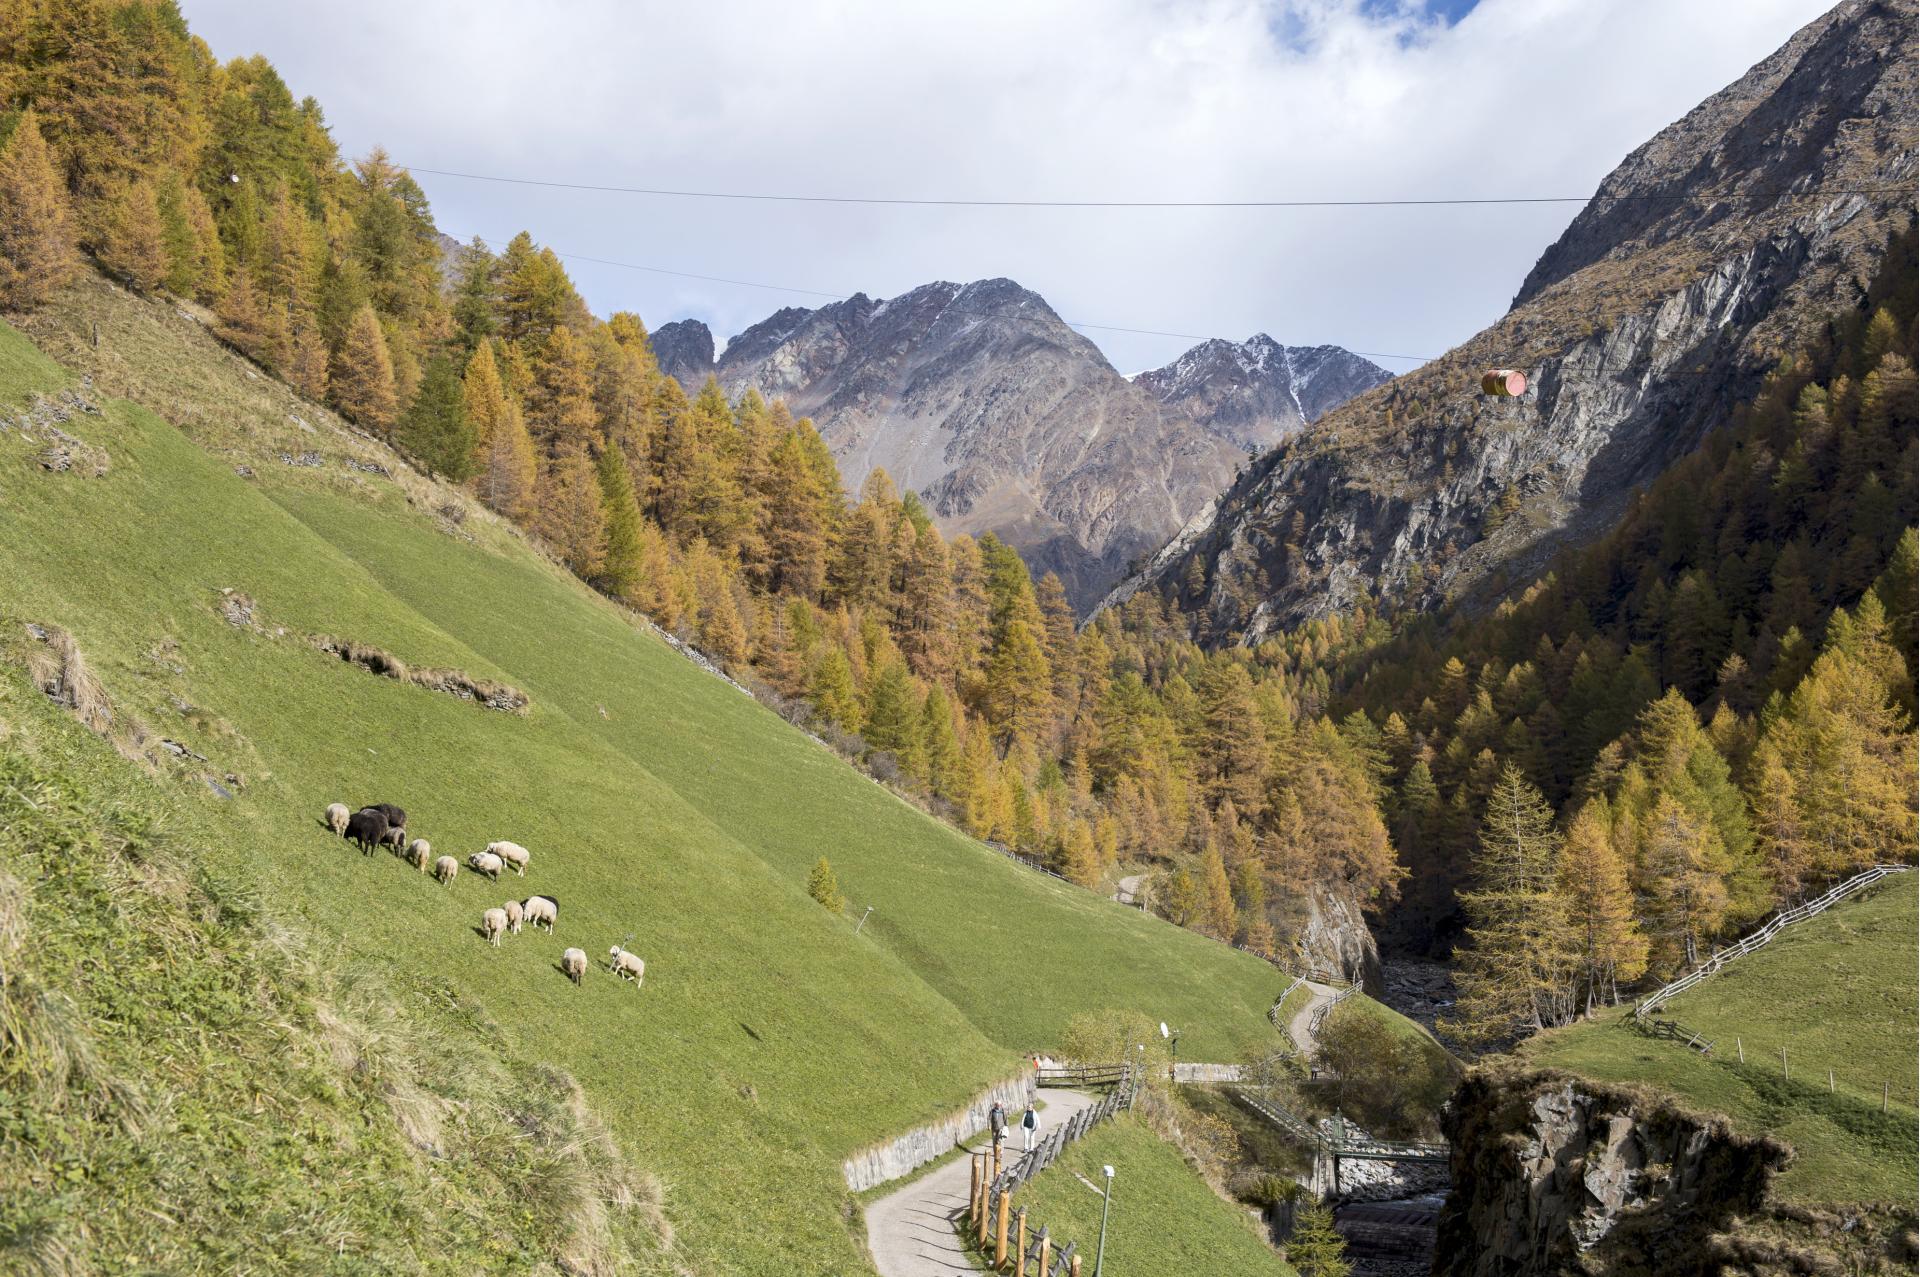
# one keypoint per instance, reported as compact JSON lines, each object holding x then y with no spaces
{"x":1553,"y":1174}
{"x":1723,"y":242}
{"x":979,"y":397}
{"x":685,"y":351}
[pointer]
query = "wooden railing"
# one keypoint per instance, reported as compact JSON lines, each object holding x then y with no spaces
{"x":1780,"y":922}
{"x":1003,"y":1235}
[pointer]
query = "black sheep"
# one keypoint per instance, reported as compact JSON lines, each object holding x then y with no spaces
{"x":396,"y":818}
{"x":368,"y":828}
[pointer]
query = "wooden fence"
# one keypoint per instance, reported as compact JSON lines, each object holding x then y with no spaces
{"x":1780,"y":922}
{"x":1004,"y":1234}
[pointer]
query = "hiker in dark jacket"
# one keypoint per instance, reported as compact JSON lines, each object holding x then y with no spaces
{"x":997,"y":1121}
{"x":1029,"y":1127}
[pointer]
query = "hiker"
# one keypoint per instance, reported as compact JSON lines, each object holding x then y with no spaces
{"x":1029,"y":1123}
{"x":997,"y":1122}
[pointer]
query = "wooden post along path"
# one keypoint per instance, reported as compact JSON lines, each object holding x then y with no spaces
{"x":1020,"y":1244}
{"x":1000,"y":1231}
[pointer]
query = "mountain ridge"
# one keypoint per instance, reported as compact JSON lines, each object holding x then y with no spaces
{"x":1006,"y":420}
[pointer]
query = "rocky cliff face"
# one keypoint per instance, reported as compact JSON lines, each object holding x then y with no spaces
{"x":982,"y":399}
{"x":1555,"y":1175}
{"x":685,"y":351}
{"x":1722,"y":242}
{"x":1257,"y":392}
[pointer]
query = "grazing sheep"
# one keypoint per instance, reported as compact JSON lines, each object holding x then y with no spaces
{"x":395,"y":816}
{"x":396,"y":839}
{"x":420,"y":854}
{"x":574,"y":963}
{"x":514,"y":914}
{"x":485,"y":862}
{"x":337,"y":814}
{"x":367,"y":828}
{"x":539,"y":909}
{"x":445,"y":868}
{"x":513,"y":853}
{"x":493,"y":925}
{"x":627,"y":966}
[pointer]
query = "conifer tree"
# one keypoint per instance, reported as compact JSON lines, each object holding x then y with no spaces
{"x":1598,"y":906}
{"x":1217,"y":894}
{"x":505,"y":469}
{"x":892,"y":710}
{"x":196,"y":262}
{"x":1688,"y":896}
{"x":568,"y":510}
{"x":36,"y":226}
{"x":362,"y":382}
{"x":241,"y":322}
{"x":559,"y":406}
{"x":824,"y":887}
{"x":620,"y":564}
{"x":435,"y":431}
{"x":1079,"y":857}
{"x":946,"y":771}
{"x":833,"y":691}
{"x":133,"y":238}
{"x":1514,"y":974}
{"x":1316,"y":1248}
{"x":797,"y":523}
{"x":1019,"y":685}
{"x":307,"y":367}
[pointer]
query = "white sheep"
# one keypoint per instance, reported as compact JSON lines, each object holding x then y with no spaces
{"x":539,"y":909}
{"x":493,"y":925}
{"x":485,"y":862}
{"x":512,"y":853}
{"x":445,"y":868}
{"x":574,"y":963}
{"x":514,"y":914}
{"x":337,"y":815}
{"x":627,"y":966}
{"x":420,"y":854}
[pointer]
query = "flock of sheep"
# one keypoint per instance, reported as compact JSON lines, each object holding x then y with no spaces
{"x":385,"y":825}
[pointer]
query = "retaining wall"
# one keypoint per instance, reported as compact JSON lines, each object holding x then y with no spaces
{"x":897,"y":1157}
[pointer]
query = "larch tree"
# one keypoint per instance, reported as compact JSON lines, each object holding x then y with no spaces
{"x":36,"y":225}
{"x":1597,"y":903}
{"x":620,"y":563}
{"x":241,"y":322}
{"x":1514,"y":974}
{"x":1687,"y":887}
{"x":133,"y":239}
{"x":362,"y":382}
{"x":504,"y":468}
{"x":568,"y":511}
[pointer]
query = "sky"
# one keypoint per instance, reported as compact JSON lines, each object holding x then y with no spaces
{"x":1087,"y":100}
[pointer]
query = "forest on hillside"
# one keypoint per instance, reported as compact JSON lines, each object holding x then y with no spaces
{"x":1683,"y":725}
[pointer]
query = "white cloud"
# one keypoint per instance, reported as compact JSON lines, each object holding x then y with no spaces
{"x":1075,"y":99}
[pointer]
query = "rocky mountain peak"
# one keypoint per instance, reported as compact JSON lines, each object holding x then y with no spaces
{"x":685,"y":351}
{"x":1729,"y":237}
{"x":1257,"y":392}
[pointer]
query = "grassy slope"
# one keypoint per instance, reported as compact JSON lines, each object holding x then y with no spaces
{"x":1164,"y":1218}
{"x":1839,"y":992}
{"x":768,"y":1042}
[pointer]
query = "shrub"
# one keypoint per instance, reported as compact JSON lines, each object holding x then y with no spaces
{"x":822,"y":887}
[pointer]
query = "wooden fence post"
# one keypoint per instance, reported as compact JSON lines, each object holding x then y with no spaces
{"x":1785,"y":1071}
{"x":1046,"y":1253}
{"x":1073,"y":1267}
{"x":986,"y":1208}
{"x":973,"y":1191}
{"x":996,"y":1157}
{"x":1000,"y":1231}
{"x":1829,"y":1078}
{"x":1020,"y":1243}
{"x":1741,"y":1049}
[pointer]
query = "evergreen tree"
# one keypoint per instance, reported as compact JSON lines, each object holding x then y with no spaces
{"x":833,"y":691}
{"x":241,"y":323}
{"x":435,"y":431}
{"x":620,"y":564}
{"x":945,"y":762}
{"x":892,"y":710}
{"x":1688,"y":896}
{"x":1316,"y":1248}
{"x":1018,"y":685}
{"x":36,"y":226}
{"x":307,"y":369}
{"x":362,"y":383}
{"x":559,"y":407}
{"x":196,"y":263}
{"x":824,"y":888}
{"x":1217,"y":895}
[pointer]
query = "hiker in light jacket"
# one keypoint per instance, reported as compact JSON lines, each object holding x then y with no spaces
{"x":1029,"y":1127}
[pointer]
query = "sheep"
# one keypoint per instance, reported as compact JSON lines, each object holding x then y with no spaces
{"x":514,"y":854}
{"x":420,"y":854}
{"x":336,"y":818}
{"x":574,"y":963}
{"x":444,"y":869}
{"x":485,"y":862}
{"x":514,"y":914}
{"x":396,"y":839}
{"x":493,"y":924}
{"x":627,"y":966}
{"x":539,"y":909}
{"x":367,"y":828}
{"x":395,"y":816}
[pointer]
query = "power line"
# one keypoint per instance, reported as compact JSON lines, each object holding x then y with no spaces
{"x":815,"y":292}
{"x":668,"y":193}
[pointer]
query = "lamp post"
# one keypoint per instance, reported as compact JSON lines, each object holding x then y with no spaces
{"x":1106,"y":1201}
{"x":1173,"y":1036}
{"x":863,"y":920}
